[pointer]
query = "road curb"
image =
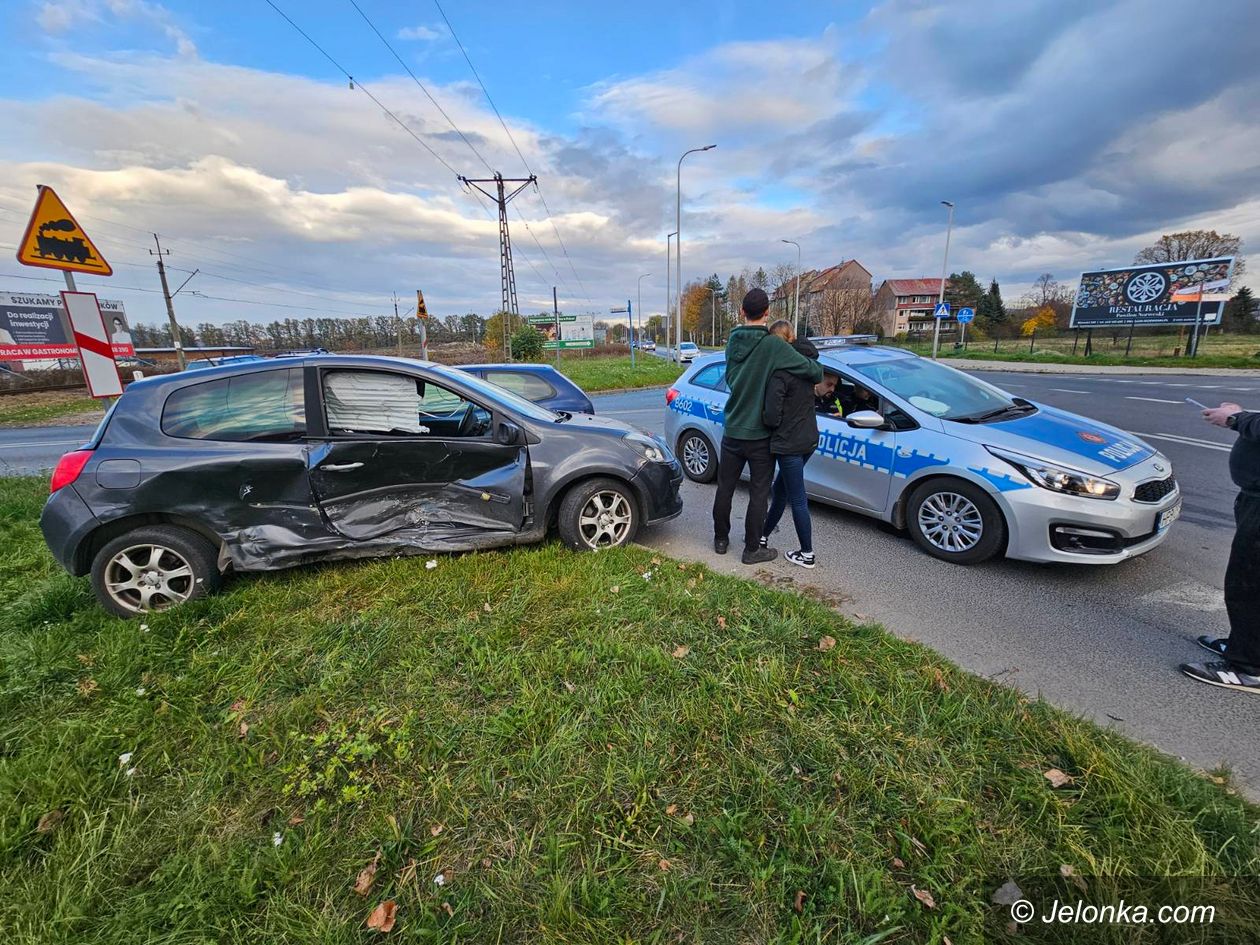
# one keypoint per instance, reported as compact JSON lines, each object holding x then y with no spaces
{"x":1024,"y":367}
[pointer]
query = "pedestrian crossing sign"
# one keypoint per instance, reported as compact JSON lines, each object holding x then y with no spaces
{"x":942,"y":310}
{"x":54,"y":239}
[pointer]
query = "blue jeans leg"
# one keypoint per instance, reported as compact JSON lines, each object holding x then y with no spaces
{"x":778,"y":501}
{"x":792,"y":477}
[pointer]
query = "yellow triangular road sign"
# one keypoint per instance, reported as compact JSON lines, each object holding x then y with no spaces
{"x":55,"y":240}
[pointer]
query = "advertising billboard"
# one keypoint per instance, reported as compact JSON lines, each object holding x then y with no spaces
{"x":565,"y":331}
{"x":32,"y":328}
{"x":1155,"y":294}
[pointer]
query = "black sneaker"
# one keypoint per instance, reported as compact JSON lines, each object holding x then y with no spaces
{"x":1212,"y":644}
{"x":720,"y":545}
{"x":804,"y":558}
{"x":759,"y":555}
{"x":1220,"y":673}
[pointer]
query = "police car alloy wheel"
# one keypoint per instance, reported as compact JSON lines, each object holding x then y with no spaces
{"x":954,"y":520}
{"x":699,"y":459}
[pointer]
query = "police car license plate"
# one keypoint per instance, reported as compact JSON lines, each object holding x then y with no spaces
{"x":1167,"y":517}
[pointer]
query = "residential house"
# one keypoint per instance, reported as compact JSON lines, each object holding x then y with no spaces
{"x":905,"y":307}
{"x":832,"y":299}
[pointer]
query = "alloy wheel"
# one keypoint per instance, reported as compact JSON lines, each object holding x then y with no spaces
{"x":950,"y":522}
{"x":148,"y":577}
{"x":605,"y":520}
{"x":695,"y":455}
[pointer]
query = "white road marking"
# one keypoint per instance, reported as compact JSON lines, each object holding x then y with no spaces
{"x":1154,"y":400}
{"x":1065,"y":390}
{"x":1185,"y":440}
{"x":1190,"y":594}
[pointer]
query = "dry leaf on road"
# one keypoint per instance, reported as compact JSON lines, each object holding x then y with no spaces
{"x":924,"y":897}
{"x":383,"y":916}
{"x":1057,"y":778}
{"x":367,"y":876}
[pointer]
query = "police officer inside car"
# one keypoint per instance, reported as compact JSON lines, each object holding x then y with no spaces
{"x":1239,"y":663}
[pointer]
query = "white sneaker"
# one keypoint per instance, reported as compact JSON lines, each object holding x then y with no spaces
{"x":804,"y":558}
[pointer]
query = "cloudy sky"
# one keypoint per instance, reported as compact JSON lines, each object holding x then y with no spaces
{"x":1069,"y":134}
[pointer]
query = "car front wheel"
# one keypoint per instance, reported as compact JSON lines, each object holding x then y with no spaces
{"x":955,"y":520}
{"x":599,"y":513}
{"x":699,"y":458}
{"x":154,"y":568}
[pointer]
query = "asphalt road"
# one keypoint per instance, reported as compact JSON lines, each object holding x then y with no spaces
{"x":1100,"y":641}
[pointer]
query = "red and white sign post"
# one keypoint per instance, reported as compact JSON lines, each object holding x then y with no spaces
{"x":92,"y":339}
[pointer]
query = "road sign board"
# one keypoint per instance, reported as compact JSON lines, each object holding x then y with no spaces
{"x":95,"y":354}
{"x":421,"y":310}
{"x":54,"y":239}
{"x":1157,"y":294}
{"x":965,"y":315}
{"x":580,"y":343}
{"x":941,"y":311}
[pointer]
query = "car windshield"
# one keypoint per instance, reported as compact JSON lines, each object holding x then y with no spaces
{"x":504,"y":396}
{"x":939,"y":390}
{"x":688,"y":345}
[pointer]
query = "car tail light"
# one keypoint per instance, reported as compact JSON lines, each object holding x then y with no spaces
{"x":670,"y":395}
{"x":68,"y":469}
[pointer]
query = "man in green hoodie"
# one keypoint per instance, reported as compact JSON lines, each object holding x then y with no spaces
{"x":752,"y":355}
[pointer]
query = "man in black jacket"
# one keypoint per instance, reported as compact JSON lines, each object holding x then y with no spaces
{"x":1239,"y":666}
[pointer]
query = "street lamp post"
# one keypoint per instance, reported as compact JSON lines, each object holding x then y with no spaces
{"x":936,"y":331}
{"x":796,"y":306}
{"x":678,"y":245}
{"x":713,"y":294}
{"x":641,"y":278}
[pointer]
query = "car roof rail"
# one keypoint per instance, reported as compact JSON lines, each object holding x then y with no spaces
{"x":841,"y":341}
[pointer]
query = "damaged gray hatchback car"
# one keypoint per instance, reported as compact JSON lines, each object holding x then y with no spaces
{"x":279,"y":463}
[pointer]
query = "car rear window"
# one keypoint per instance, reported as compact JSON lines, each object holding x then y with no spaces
{"x":266,"y":405}
{"x":529,"y":386}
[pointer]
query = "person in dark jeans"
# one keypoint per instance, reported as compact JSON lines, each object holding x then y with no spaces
{"x":752,"y":355}
{"x":1239,"y":663}
{"x":789,"y":412}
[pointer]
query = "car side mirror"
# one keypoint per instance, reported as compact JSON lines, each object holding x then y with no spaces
{"x":865,"y":420}
{"x":507,"y":433}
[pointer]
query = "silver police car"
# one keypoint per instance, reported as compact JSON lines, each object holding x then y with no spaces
{"x":969,"y":469}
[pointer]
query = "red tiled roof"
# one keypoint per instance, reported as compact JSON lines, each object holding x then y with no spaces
{"x":915,"y":286}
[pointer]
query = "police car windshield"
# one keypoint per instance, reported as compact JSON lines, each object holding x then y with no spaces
{"x":940,"y":391}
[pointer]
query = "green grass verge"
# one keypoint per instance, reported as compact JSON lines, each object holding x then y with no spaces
{"x":1055,"y":357}
{"x":1149,"y":350}
{"x":19,"y":410}
{"x":598,"y":748}
{"x":603,"y":373}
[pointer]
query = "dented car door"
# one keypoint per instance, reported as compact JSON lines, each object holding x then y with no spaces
{"x":407,"y":459}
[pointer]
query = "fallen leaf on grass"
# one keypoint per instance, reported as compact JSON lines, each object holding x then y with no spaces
{"x":826,"y":643}
{"x":569,"y":687}
{"x":924,"y":897}
{"x":939,"y":679}
{"x":1057,"y":778}
{"x":48,"y":823}
{"x":486,"y":607}
{"x":383,"y":916}
{"x":435,"y":830}
{"x":680,"y":651}
{"x":616,"y":588}
{"x":798,"y":904}
{"x":296,"y":819}
{"x":367,"y":876}
{"x":691,"y":582}
{"x":1067,"y":871}
{"x":721,"y":622}
{"x":485,"y":863}
{"x":664,"y":865}
{"x":237,"y":707}
{"x":429,"y":566}
{"x":87,"y":686}
{"x":918,"y":845}
{"x":242,"y":730}
{"x":898,"y":863}
{"x":85,"y":659}
{"x":689,"y":819}
{"x":1007,"y":894}
{"x":448,"y":909}
{"x":671,"y":810}
{"x":656,"y":560}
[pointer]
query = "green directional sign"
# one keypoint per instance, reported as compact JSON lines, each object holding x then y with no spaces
{"x":579,"y":343}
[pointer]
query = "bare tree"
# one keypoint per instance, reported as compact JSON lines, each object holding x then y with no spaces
{"x":840,"y":309}
{"x":1194,"y":244}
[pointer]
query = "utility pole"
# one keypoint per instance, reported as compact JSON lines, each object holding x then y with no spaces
{"x":398,"y":324}
{"x":507,"y":276}
{"x":555,"y":310}
{"x":669,"y":295}
{"x":170,"y":306}
{"x":936,"y":331}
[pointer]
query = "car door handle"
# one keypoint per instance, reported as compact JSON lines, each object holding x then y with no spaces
{"x":341,"y":467}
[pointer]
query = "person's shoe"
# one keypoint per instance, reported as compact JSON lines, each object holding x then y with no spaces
{"x":720,"y":545}
{"x":1214,"y":645}
{"x":1220,"y":673}
{"x":804,"y":558}
{"x":759,"y":555}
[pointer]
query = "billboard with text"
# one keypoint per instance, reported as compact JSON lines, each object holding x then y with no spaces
{"x":32,"y":328}
{"x":1155,"y":294}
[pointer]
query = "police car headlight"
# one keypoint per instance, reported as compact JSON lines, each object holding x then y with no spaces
{"x":653,"y":448}
{"x":1059,"y":478}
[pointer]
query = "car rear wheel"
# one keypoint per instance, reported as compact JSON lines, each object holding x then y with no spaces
{"x":154,"y":568}
{"x":956,"y":521}
{"x":699,"y":458}
{"x":599,"y":513}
